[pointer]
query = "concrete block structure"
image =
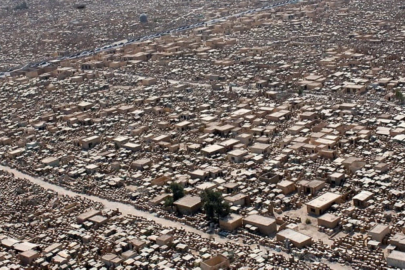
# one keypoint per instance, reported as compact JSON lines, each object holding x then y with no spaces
{"x":328,"y":220}
{"x":396,"y":259}
{"x":188,"y":204}
{"x":266,"y":225}
{"x":379,"y":231}
{"x":321,"y":204}
{"x":231,"y":222}
{"x":298,"y":239}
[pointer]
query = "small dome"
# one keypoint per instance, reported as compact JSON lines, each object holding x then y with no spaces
{"x":143,"y":18}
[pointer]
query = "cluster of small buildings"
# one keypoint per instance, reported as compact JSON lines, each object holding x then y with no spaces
{"x":47,"y":30}
{"x":41,"y":229}
{"x":294,"y":114}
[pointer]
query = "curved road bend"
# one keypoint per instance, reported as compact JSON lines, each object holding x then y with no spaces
{"x":127,"y":209}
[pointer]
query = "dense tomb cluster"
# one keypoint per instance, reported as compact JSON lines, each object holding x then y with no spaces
{"x":272,"y":139}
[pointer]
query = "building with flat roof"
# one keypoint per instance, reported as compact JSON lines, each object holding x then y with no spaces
{"x":188,"y":204}
{"x":379,"y":232}
{"x":165,"y":239}
{"x":87,"y":215}
{"x":28,"y":257}
{"x":298,"y":239}
{"x":206,"y":185}
{"x":141,"y":163}
{"x":231,"y":222}
{"x":237,"y":155}
{"x":260,"y":148}
{"x":50,"y":161}
{"x":90,"y":142}
{"x":313,"y":186}
{"x":328,"y":220}
{"x":396,"y":259}
{"x":398,"y":240}
{"x":286,"y":186}
{"x":360,"y":200}
{"x":336,"y":178}
{"x":319,"y":205}
{"x":212,"y":150}
{"x":238,"y":199}
{"x":266,"y":225}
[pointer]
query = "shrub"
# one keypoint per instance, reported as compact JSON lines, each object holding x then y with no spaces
{"x":21,"y":6}
{"x":177,"y":191}
{"x":169,"y":201}
{"x":300,"y":92}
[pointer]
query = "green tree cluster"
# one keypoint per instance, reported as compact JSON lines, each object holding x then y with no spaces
{"x":169,"y":201}
{"x":177,"y":193}
{"x":214,"y":205}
